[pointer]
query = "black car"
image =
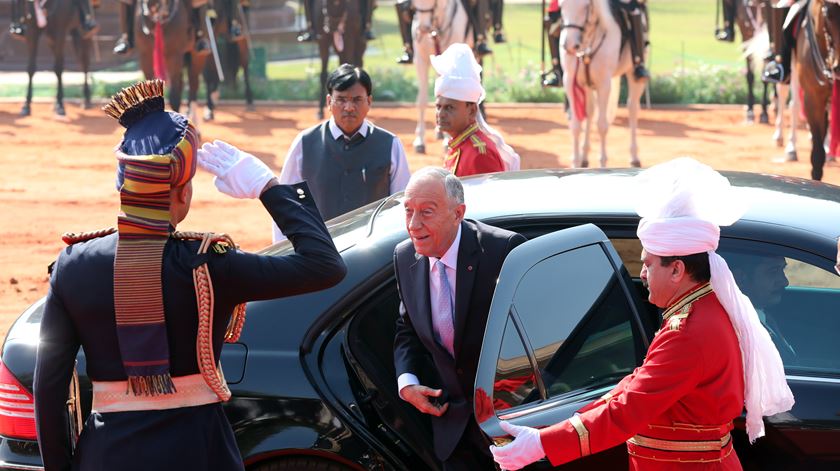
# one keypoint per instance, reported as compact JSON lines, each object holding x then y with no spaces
{"x":313,"y":378}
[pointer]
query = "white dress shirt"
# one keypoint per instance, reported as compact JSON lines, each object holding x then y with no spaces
{"x":450,"y":260}
{"x":291,"y":172}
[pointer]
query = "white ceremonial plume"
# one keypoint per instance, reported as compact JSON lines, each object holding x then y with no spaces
{"x":459,"y":78}
{"x":682,"y":204}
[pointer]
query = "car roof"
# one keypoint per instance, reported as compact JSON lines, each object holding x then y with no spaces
{"x":786,"y":201}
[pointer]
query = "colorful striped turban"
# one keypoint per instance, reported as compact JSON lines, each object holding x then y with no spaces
{"x":157,"y":153}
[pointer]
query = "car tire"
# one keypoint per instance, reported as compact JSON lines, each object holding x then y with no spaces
{"x":305,"y":463}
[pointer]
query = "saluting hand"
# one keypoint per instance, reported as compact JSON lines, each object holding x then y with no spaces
{"x":238,"y":174}
{"x":418,"y":396}
{"x":525,"y":449}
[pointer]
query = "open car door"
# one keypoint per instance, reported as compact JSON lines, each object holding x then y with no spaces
{"x":564,"y":327}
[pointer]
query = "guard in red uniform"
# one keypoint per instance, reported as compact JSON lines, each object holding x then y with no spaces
{"x":676,"y":410}
{"x":474,"y":146}
{"x":471,"y":152}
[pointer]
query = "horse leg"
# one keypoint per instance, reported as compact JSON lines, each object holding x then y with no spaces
{"x":603,"y":118}
{"x":246,"y":76}
{"x":817,"y":120}
{"x":32,"y":39}
{"x":421,"y":64}
{"x":58,"y":68}
{"x":82,"y":48}
{"x":764,"y":118}
{"x":782,"y":93}
{"x":211,"y":82}
{"x":196,"y":65}
{"x":324,"y":48}
{"x":587,"y":127}
{"x":175,"y":71}
{"x":790,"y":150}
{"x":750,"y":95}
{"x":634,"y":95}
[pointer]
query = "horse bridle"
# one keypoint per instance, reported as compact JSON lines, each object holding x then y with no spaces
{"x":436,"y":29}
{"x":586,"y":54}
{"x":145,"y":12}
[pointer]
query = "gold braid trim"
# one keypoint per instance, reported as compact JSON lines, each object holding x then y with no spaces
{"x":210,"y":369}
{"x":71,"y":238}
{"x":132,"y":96}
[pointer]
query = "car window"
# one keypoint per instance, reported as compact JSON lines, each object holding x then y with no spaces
{"x":796,"y":296}
{"x":575,"y":318}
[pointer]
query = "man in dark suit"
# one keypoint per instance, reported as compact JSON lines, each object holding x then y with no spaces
{"x":446,"y":274}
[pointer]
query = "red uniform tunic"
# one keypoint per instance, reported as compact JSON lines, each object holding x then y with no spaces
{"x":676,"y":409}
{"x":472,"y":153}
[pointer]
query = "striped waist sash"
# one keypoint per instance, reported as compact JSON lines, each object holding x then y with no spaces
{"x":115,"y":396}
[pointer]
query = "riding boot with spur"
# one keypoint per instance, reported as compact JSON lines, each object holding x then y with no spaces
{"x":498,"y":7}
{"x":777,"y":69}
{"x":405,"y":15}
{"x":126,"y":41}
{"x":554,"y":77}
{"x":637,"y":44}
{"x":202,"y":43}
{"x":727,"y":33}
{"x":367,"y":14}
{"x":18,"y":26}
{"x":309,"y":34}
{"x":235,"y":26}
{"x":89,"y":25}
{"x":481,"y":17}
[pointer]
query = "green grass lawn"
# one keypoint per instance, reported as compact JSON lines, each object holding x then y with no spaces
{"x":681,"y":36}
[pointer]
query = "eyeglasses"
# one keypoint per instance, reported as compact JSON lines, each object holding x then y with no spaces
{"x":343,"y":100}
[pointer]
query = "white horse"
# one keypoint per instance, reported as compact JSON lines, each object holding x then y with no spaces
{"x":437,"y":24}
{"x":594,"y":61}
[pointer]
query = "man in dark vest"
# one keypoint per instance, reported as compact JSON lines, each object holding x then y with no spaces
{"x":347,"y":161}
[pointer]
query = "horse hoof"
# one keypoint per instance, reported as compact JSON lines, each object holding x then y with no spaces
{"x":26,"y":110}
{"x":791,"y":156}
{"x":86,"y":105}
{"x":750,"y":118}
{"x":830,"y":158}
{"x":584,"y":164}
{"x":320,"y":115}
{"x":636,"y":164}
{"x":59,"y":110}
{"x":439,"y":135}
{"x":420,"y":148}
{"x":764,"y":118}
{"x":250,"y":107}
{"x":208,"y":114}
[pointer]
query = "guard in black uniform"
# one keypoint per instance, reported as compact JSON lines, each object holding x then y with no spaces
{"x":139,"y":299}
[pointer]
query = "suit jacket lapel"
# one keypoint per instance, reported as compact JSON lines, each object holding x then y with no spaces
{"x":468,"y":257}
{"x":422,"y":301}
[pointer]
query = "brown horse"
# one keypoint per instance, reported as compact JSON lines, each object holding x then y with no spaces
{"x":233,"y":55}
{"x":340,"y":28}
{"x":749,"y":21}
{"x":818,"y":66}
{"x":62,"y":18}
{"x":170,"y":18}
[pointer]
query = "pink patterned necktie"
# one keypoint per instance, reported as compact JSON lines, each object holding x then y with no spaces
{"x":442,"y":315}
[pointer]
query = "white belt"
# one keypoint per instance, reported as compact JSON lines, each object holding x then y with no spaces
{"x":116,"y":396}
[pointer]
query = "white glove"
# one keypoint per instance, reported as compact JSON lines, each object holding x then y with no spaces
{"x":525,"y":449}
{"x":238,"y":174}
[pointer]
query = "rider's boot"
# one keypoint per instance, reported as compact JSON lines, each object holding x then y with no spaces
{"x":777,"y":70}
{"x":18,"y":26}
{"x":202,"y":43}
{"x":637,"y":43}
{"x":309,"y":34}
{"x":89,"y":26}
{"x":126,"y":41}
{"x":498,"y":32}
{"x":235,"y":27}
{"x":481,"y":25}
{"x":727,"y":33}
{"x":405,"y":15}
{"x":553,"y":78}
{"x":367,"y":14}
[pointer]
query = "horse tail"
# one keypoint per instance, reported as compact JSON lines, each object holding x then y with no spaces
{"x":158,"y":54}
{"x":612,"y":104}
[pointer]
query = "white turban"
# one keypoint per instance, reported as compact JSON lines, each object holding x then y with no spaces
{"x":459,"y":78}
{"x":682,"y":205}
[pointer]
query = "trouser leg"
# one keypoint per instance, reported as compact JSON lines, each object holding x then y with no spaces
{"x":18,"y":26}
{"x":777,"y":69}
{"x":476,"y":12}
{"x":309,"y":13}
{"x":126,"y":41}
{"x":89,"y":26}
{"x":237,"y":21}
{"x":367,"y":14}
{"x":637,"y":42}
{"x":727,"y":33}
{"x":554,"y":78}
{"x":202,"y":43}
{"x":498,"y":7}
{"x":405,"y":15}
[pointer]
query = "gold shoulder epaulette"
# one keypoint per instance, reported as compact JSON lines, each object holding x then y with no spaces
{"x":71,"y":238}
{"x":478,"y":144}
{"x":675,"y":320}
{"x":675,"y":314}
{"x":219,"y":243}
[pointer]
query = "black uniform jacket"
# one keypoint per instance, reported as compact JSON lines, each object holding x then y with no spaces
{"x":80,"y":311}
{"x":481,"y":252}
